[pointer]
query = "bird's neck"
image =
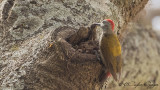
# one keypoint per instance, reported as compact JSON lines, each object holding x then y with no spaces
{"x":105,"y":32}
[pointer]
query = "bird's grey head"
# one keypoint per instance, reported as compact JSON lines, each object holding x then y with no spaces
{"x":107,"y":25}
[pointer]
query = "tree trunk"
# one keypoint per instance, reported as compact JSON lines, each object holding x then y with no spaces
{"x":48,"y":44}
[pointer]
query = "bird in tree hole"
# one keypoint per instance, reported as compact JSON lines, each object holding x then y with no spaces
{"x":110,"y":51}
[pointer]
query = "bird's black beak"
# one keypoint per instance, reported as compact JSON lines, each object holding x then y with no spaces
{"x":97,"y":24}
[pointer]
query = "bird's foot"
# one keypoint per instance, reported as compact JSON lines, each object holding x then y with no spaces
{"x":99,"y":59}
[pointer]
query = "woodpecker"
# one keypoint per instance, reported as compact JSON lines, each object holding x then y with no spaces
{"x":110,"y":51}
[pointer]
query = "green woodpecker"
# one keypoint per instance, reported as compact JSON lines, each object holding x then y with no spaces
{"x":110,"y":50}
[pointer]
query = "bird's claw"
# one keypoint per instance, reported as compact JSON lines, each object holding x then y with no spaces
{"x":99,"y":59}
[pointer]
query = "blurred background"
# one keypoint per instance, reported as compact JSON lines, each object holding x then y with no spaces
{"x":141,"y":52}
{"x":153,"y":14}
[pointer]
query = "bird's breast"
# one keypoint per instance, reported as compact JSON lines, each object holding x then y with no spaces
{"x":110,"y":45}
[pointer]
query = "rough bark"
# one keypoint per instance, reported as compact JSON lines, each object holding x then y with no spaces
{"x":36,"y":51}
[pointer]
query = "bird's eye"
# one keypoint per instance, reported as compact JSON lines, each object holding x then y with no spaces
{"x":103,"y":21}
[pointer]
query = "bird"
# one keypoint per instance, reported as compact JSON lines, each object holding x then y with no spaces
{"x":110,"y":51}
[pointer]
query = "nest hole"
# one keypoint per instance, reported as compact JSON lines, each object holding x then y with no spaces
{"x":84,"y":40}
